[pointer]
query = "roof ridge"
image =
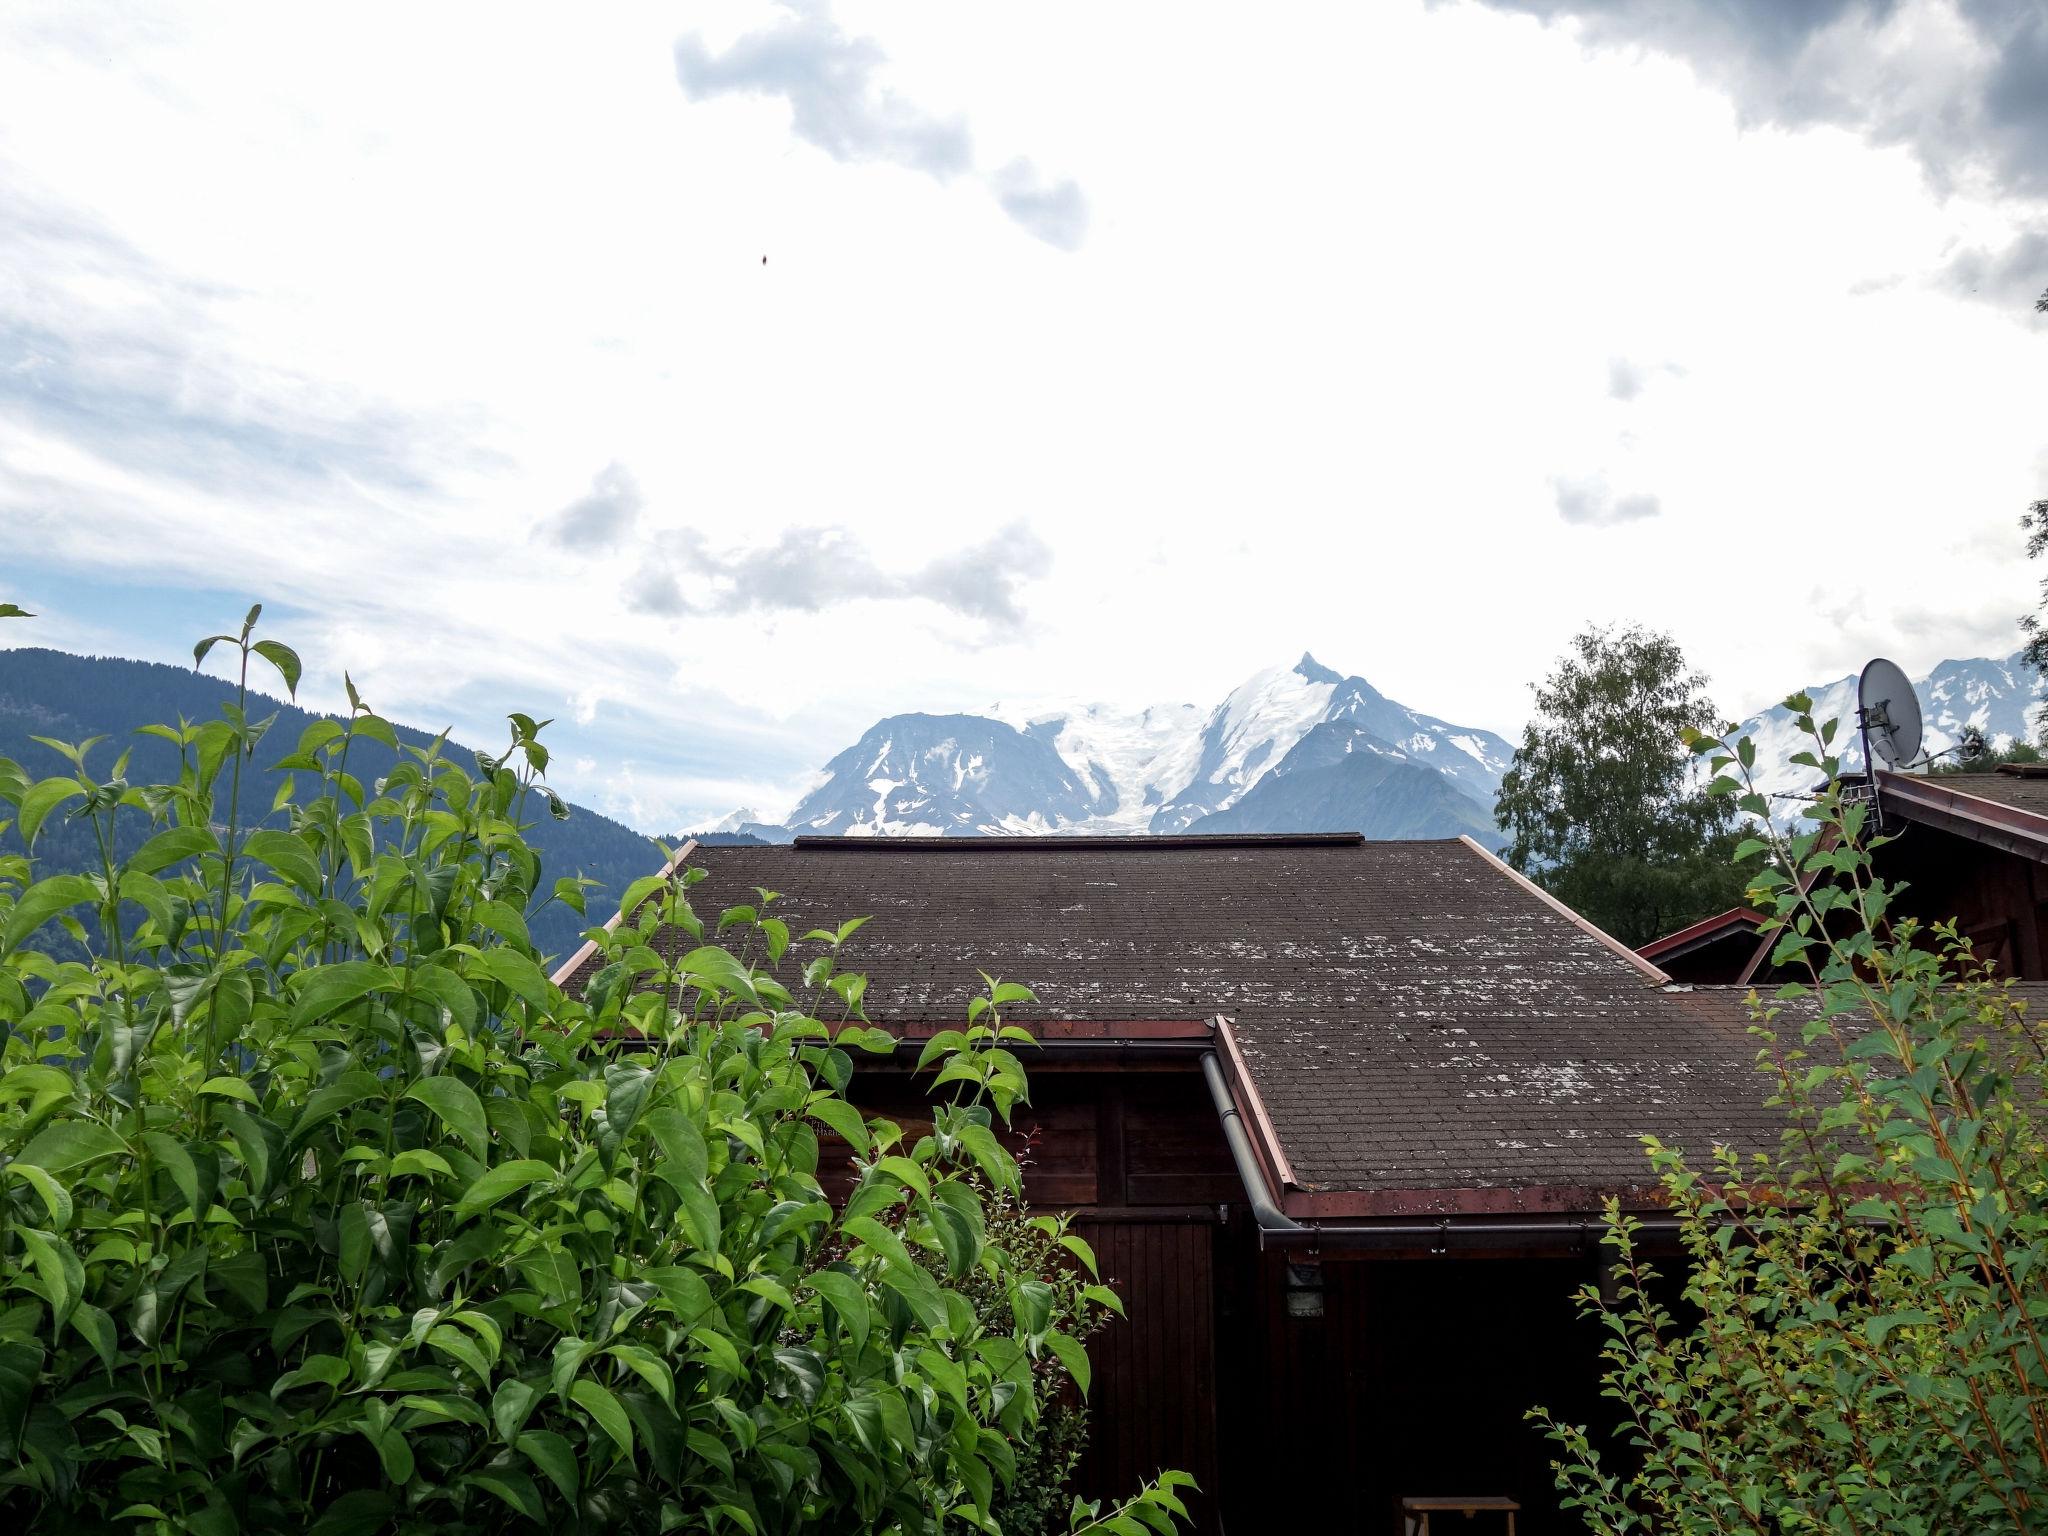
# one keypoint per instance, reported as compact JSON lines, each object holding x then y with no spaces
{"x":1023,"y":841}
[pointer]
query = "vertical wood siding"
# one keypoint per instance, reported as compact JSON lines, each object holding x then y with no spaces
{"x":1154,"y":1400}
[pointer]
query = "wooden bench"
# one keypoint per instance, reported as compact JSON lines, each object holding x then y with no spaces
{"x":1415,"y":1513}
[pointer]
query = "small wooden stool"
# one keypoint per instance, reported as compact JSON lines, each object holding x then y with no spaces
{"x":1415,"y":1513}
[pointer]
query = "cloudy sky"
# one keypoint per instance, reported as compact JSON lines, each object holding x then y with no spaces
{"x":719,"y":377}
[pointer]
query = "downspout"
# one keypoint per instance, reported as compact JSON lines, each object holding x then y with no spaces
{"x":1268,"y":1215}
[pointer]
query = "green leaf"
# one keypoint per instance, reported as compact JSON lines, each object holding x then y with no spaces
{"x":626,"y":1088}
{"x":229,"y":1088}
{"x":14,"y":611}
{"x":849,"y":1299}
{"x":291,"y":856}
{"x":721,"y":1350}
{"x":514,"y":1487}
{"x":700,"y":1212}
{"x":510,"y":1406}
{"x":170,"y":1153}
{"x":554,"y":1457}
{"x":98,"y":1330}
{"x":649,"y":1367}
{"x":606,"y":1410}
{"x":392,"y":1451}
{"x":1000,"y":1167}
{"x":681,"y":1143}
{"x":867,"y":1230}
{"x":173,"y":846}
{"x":417,"y":1161}
{"x":495,"y":1185}
{"x":842,"y":1117}
{"x":69,"y":1144}
{"x":516,"y":972}
{"x":39,"y":802}
{"x":457,"y":1107}
{"x":327,"y":988}
{"x":56,"y":1199}
{"x":286,"y":660}
{"x":718,"y":967}
{"x":948,"y":1375}
{"x":43,"y":901}
{"x":460,"y":1347}
{"x":1073,"y":1355}
{"x":57,"y":1266}
{"x":683,"y":1289}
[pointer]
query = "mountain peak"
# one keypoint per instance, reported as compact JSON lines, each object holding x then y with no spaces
{"x":1315,"y":671}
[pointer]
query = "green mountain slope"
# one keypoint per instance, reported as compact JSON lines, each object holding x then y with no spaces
{"x":70,"y":698}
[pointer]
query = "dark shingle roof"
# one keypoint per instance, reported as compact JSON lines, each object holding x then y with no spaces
{"x":1414,"y":1017}
{"x":2028,"y":793}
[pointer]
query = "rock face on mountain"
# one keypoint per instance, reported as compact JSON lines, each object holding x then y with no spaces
{"x":932,"y":775}
{"x":1299,"y":748}
{"x":1292,"y":749}
{"x":1380,"y":796}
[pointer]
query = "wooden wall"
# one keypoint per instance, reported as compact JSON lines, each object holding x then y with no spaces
{"x":1414,"y":1380}
{"x":1139,"y":1158}
{"x":1999,"y":900}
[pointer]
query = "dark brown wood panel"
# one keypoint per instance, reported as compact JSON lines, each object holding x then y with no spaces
{"x":1153,"y":1405}
{"x":1173,"y":1145}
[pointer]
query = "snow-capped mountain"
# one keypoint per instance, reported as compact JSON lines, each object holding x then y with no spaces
{"x":2001,"y":698}
{"x":1129,"y":761}
{"x":744,"y":824}
{"x":1310,"y":709}
{"x":931,"y":775}
{"x":1168,"y":768}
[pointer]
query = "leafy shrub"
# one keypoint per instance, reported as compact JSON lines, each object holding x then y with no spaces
{"x":1872,"y":1299}
{"x":1062,"y":1265}
{"x":324,"y":1208}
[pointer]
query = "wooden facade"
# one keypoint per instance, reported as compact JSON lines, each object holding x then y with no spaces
{"x":1304,"y":1391}
{"x":1965,"y":848}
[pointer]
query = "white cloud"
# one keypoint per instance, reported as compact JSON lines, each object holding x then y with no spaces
{"x":287,"y":312}
{"x":839,"y":103}
{"x":1588,"y":500}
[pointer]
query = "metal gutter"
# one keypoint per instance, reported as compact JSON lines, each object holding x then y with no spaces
{"x":1952,"y":808}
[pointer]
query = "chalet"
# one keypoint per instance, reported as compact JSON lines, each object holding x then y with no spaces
{"x":1338,"y":1117}
{"x":1972,"y":847}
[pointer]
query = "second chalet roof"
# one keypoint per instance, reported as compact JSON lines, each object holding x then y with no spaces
{"x":1415,"y":1017}
{"x":2026,"y":791}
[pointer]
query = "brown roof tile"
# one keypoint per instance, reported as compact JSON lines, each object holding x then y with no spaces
{"x":1413,"y":1017}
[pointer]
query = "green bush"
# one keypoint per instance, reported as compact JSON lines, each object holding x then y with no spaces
{"x":1869,"y":1303}
{"x":323,"y":1208}
{"x":1034,"y":1504}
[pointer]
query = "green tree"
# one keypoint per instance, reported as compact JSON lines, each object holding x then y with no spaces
{"x":323,"y":1208}
{"x":1602,"y":805}
{"x":2035,"y":525}
{"x":1868,"y":1302}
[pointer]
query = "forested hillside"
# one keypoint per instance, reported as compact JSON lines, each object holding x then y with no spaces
{"x":73,"y":698}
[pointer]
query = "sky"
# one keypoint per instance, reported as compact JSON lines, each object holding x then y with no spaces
{"x":718,"y":378}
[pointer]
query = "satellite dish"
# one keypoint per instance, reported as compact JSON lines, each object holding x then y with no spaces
{"x":1891,"y":712}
